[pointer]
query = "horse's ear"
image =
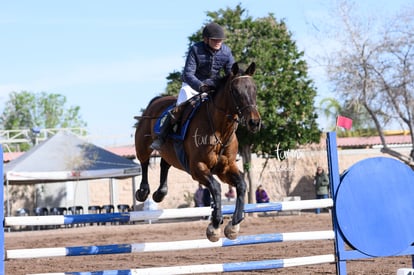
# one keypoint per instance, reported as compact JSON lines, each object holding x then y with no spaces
{"x":251,"y":69}
{"x":235,"y":68}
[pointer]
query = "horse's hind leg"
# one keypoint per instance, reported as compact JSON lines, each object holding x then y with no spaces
{"x":144,"y":189}
{"x":162,"y":190}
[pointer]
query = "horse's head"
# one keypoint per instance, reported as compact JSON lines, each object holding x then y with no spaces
{"x":243,"y":93}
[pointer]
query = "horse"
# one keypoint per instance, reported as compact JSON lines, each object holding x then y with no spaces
{"x":210,"y":144}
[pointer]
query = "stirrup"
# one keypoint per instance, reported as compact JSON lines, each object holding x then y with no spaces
{"x":156,"y":144}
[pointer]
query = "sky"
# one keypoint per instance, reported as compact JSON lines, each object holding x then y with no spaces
{"x":112,"y":57}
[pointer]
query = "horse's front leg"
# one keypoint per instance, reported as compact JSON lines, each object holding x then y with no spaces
{"x":232,"y":228}
{"x":144,"y":189}
{"x":162,"y":190}
{"x":213,"y":229}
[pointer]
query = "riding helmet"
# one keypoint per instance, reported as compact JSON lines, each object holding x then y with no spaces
{"x":213,"y":31}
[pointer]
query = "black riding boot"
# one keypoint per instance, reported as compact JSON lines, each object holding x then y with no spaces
{"x":165,"y":129}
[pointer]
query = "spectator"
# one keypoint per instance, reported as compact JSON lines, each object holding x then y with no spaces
{"x":230,"y":194}
{"x":321,"y":183}
{"x":202,"y":197}
{"x":261,"y":195}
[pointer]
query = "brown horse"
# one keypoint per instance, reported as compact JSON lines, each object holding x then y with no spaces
{"x":210,"y":145}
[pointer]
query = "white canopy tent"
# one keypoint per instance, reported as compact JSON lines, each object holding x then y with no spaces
{"x":65,"y":157}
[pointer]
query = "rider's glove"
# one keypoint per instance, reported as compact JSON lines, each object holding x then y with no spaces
{"x":206,"y":88}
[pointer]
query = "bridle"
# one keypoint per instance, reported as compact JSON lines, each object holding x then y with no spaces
{"x":239,"y":111}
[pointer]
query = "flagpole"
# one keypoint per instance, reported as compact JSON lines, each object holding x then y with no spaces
{"x":336,"y":124}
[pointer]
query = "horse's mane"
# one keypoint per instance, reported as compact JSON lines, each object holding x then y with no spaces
{"x":221,"y":82}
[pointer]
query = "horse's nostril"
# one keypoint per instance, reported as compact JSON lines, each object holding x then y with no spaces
{"x":254,"y":124}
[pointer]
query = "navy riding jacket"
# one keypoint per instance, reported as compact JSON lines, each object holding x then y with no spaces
{"x":203,"y":65}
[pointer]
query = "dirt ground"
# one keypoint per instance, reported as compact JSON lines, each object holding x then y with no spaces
{"x":187,"y":230}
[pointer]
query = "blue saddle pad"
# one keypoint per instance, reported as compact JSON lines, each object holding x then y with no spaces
{"x":182,"y":130}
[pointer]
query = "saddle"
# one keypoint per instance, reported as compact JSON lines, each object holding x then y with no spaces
{"x":179,"y":131}
{"x":180,"y":128}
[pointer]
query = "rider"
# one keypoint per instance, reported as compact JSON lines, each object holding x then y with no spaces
{"x":205,"y":61}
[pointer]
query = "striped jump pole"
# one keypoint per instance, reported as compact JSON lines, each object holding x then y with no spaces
{"x":162,"y":214}
{"x":212,"y":268}
{"x":167,"y":246}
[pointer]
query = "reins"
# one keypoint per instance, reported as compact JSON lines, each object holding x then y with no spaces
{"x":211,"y":123}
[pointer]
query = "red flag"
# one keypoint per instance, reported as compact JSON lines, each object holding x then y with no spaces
{"x":344,"y":122}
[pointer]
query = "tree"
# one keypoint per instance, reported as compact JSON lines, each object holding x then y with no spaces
{"x":26,"y":110}
{"x":330,"y":108}
{"x":361,"y":124}
{"x":173,"y":84}
{"x":285,"y":93}
{"x":373,"y":68}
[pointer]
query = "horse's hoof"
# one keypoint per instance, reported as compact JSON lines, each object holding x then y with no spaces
{"x":158,"y":196}
{"x":231,"y":231}
{"x":141,"y":194}
{"x":213,"y":234}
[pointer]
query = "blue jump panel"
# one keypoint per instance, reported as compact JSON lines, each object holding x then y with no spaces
{"x":374,"y":206}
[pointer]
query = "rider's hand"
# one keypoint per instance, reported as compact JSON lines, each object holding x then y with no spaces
{"x":205,"y":88}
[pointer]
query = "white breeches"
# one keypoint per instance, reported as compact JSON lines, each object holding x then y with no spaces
{"x":186,"y":92}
